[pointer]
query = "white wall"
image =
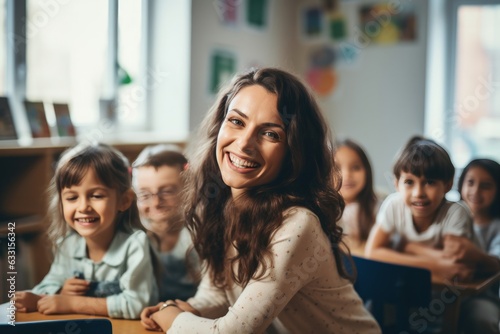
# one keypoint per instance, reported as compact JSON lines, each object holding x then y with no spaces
{"x":380,"y":100}
{"x":168,"y":67}
{"x":273,"y":46}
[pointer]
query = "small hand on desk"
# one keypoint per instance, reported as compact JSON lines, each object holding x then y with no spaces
{"x":161,"y":316}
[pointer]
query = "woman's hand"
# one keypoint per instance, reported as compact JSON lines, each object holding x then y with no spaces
{"x":167,"y":315}
{"x":146,"y":320}
{"x":26,"y":301}
{"x":75,"y":287}
{"x":187,"y":307}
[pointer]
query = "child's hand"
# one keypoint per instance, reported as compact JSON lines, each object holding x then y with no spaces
{"x":455,"y":271}
{"x":146,"y":319}
{"x":55,"y":304}
{"x":26,"y":301}
{"x":75,"y":287}
{"x":460,"y":249}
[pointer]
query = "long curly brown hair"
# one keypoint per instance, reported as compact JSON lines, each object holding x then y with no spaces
{"x":307,"y":179}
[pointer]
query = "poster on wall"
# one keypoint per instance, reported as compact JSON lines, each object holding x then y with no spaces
{"x":222,"y":69}
{"x":337,"y":26}
{"x":321,"y":74}
{"x":257,"y":13}
{"x":7,"y":127}
{"x":227,"y":10}
{"x":312,"y":22}
{"x":381,"y":24}
{"x":35,"y":112}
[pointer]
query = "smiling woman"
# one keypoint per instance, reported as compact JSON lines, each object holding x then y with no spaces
{"x":262,"y":209}
{"x":251,"y":144}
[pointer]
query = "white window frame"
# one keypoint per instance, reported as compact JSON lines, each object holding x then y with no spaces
{"x":15,"y":81}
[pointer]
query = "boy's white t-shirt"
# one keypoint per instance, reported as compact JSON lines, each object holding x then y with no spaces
{"x":394,"y":217}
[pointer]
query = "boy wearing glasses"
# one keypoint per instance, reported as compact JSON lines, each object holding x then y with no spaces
{"x":157,"y":182}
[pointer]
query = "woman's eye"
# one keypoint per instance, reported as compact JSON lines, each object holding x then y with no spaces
{"x":235,"y":121}
{"x":70,"y":198}
{"x":98,"y":196}
{"x":272,"y":135}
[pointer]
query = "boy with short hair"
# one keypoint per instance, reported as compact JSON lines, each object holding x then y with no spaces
{"x":420,"y":216}
{"x":158,"y":183}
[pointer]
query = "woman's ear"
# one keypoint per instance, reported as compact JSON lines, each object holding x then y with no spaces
{"x":126,"y":200}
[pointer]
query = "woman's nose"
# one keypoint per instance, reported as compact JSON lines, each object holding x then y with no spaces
{"x":247,"y":141}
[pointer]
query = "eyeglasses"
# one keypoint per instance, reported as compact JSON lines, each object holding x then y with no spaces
{"x":162,"y":195}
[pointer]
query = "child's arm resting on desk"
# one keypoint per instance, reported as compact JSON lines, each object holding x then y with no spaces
{"x":377,"y":247}
{"x":463,"y":250}
{"x":26,"y":301}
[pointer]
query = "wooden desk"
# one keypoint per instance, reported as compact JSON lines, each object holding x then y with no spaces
{"x":461,"y":290}
{"x":120,"y":326}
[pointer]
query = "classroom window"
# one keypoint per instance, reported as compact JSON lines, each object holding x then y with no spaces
{"x":94,"y":66}
{"x":3,"y":47}
{"x":66,"y":55}
{"x":131,"y":93}
{"x":476,"y":97}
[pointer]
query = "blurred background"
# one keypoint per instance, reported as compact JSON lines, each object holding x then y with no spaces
{"x":132,"y":70}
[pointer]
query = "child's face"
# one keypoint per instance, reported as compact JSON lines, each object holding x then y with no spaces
{"x":353,"y":173}
{"x":90,"y":208}
{"x":423,"y":196}
{"x":158,"y":192}
{"x":478,"y":190}
{"x":251,"y":144}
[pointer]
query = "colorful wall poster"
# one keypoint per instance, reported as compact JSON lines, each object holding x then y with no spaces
{"x":321,"y":74}
{"x":383,"y":25}
{"x":257,"y":11}
{"x":227,"y":10}
{"x":222,"y":69}
{"x":312,"y":22}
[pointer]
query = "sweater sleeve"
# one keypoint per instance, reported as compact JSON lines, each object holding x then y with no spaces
{"x":297,"y":250}
{"x":209,"y":300}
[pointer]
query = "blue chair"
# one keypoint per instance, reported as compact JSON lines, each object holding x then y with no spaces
{"x":81,"y":326}
{"x":392,"y":293}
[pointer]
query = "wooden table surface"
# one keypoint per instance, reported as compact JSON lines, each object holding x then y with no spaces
{"x":120,"y":326}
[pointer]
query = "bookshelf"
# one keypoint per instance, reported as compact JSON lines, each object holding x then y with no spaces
{"x":25,"y":173}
